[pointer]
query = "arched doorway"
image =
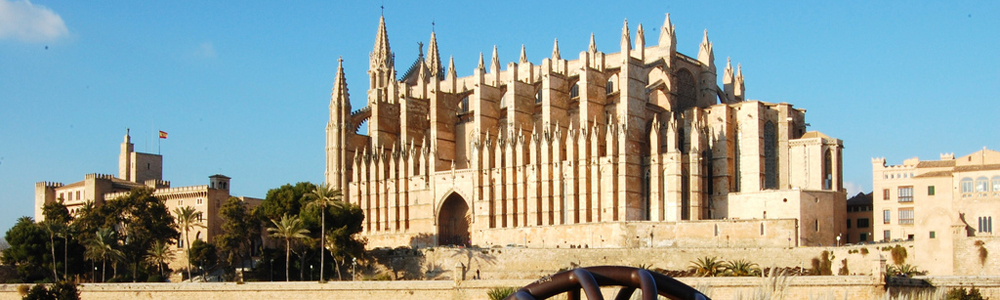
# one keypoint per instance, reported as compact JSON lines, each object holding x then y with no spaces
{"x":453,"y":222}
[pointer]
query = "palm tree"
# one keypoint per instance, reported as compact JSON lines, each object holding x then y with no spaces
{"x":102,"y":247}
{"x":324,"y":196}
{"x":707,"y":266}
{"x":741,"y":267}
{"x":54,"y":229}
{"x":159,"y":254}
{"x":187,"y":218}
{"x":289,"y":228}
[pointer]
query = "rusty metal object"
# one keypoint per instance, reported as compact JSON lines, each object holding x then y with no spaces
{"x":591,"y":279}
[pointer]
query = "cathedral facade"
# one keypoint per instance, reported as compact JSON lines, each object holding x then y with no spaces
{"x":637,"y":148}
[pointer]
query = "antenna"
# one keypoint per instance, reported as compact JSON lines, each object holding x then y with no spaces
{"x":383,"y":8}
{"x":432,"y":25}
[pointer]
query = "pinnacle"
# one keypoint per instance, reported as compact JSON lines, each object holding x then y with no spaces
{"x":481,"y":67}
{"x":593,"y":44}
{"x":524,"y":56}
{"x":555,"y":50}
{"x":626,"y":40}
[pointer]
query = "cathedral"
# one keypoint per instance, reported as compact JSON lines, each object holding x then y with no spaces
{"x":640,"y":148}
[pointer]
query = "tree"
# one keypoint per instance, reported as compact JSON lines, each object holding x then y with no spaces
{"x":159,"y":255}
{"x":57,"y":215}
{"x":139,"y":219}
{"x":103,"y":247}
{"x":287,"y":199}
{"x":53,"y":228}
{"x":239,"y":231}
{"x":323,"y":197}
{"x":187,"y":219}
{"x":27,"y":249}
{"x":288,"y":228}
{"x":203,"y":255}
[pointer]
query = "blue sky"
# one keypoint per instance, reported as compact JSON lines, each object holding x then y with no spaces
{"x":243,"y":87}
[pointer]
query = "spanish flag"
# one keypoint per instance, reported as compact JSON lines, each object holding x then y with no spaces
{"x":163,"y":134}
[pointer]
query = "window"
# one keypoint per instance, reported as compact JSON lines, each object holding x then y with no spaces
{"x":77,"y":195}
{"x":848,"y":223}
{"x":770,"y":156}
{"x":886,"y":216}
{"x":985,"y":224}
{"x":885,"y":194}
{"x":863,"y":237}
{"x":538,"y":96}
{"x":906,"y":216}
{"x":180,"y":202}
{"x":463,"y":107}
{"x":981,"y":183}
{"x":930,"y":190}
{"x":863,"y":223}
{"x":198,"y":201}
{"x":575,"y":90}
{"x":996,"y":183}
{"x":828,"y":170}
{"x":608,"y":89}
{"x":933,"y":235}
{"x":966,"y":185}
{"x":816,"y":225}
{"x":886,"y":235}
{"x":905,"y":194}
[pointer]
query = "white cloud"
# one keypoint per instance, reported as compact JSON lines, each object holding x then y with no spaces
{"x":852,"y":188}
{"x":27,"y":22}
{"x":205,"y":50}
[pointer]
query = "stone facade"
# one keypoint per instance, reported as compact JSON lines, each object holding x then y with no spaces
{"x":945,"y":206}
{"x":859,"y":219}
{"x":645,"y":134}
{"x":143,"y":170}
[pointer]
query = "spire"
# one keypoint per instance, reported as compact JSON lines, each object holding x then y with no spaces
{"x":524,"y":56}
{"x":451,"y":68}
{"x":381,"y":56}
{"x":481,"y":67}
{"x":705,"y":54}
{"x":727,"y":76}
{"x":640,"y":42}
{"x":433,"y":57}
{"x":739,"y":88}
{"x":593,"y":45}
{"x":339,"y":96}
{"x":727,"y":82}
{"x":555,"y":50}
{"x":495,"y":62}
{"x":626,"y":43}
{"x":667,"y":37}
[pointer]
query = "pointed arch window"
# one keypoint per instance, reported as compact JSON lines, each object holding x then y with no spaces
{"x":538,"y":96}
{"x":463,"y":106}
{"x":770,"y":156}
{"x":828,"y":170}
{"x":610,"y":87}
{"x":574,"y":91}
{"x":686,"y":95}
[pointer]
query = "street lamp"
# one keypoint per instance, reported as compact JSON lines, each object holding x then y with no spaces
{"x":354,"y":268}
{"x":838,"y":240}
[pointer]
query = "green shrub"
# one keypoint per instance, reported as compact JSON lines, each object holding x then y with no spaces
{"x":962,"y":294}
{"x":500,"y":293}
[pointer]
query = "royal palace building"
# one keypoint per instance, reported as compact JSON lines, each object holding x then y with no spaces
{"x":640,"y":148}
